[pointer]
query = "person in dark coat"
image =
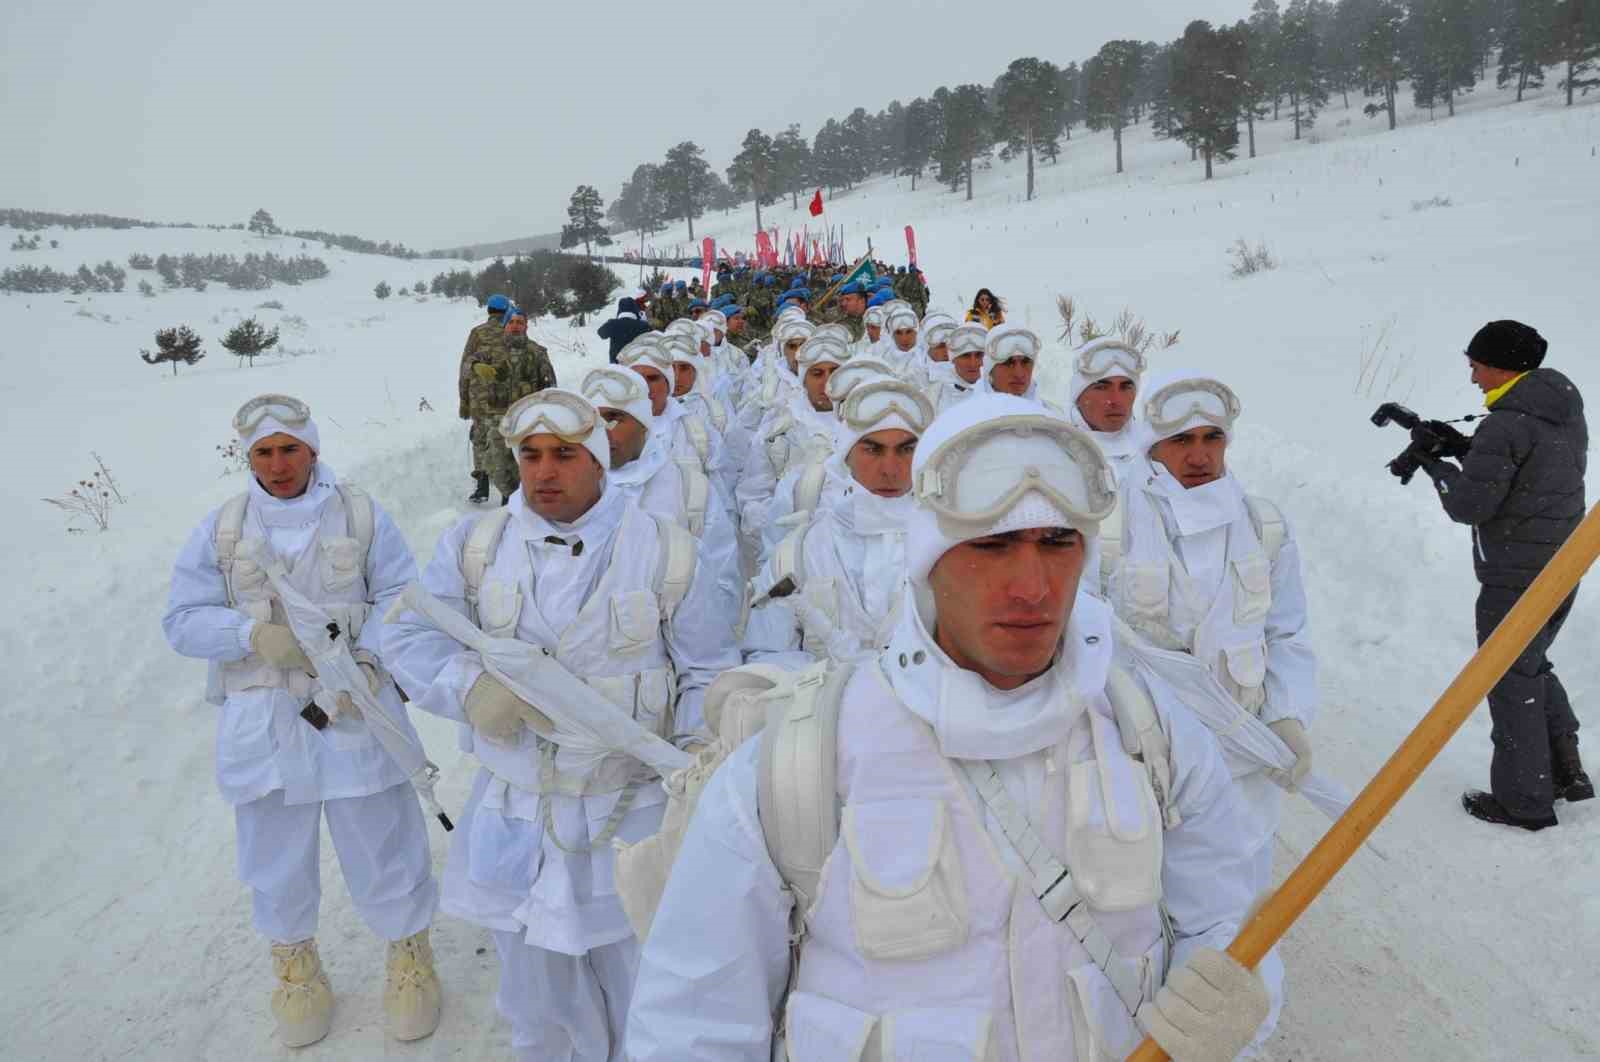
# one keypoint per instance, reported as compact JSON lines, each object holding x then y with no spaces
{"x":1520,"y":487}
{"x":629,"y":324}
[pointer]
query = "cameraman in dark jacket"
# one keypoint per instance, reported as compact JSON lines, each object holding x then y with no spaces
{"x":629,"y":324}
{"x":1520,"y":486}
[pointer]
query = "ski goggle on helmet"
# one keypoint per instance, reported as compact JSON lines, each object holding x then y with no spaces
{"x":789,"y":331}
{"x":564,"y":414}
{"x":975,"y":478}
{"x":852,"y":373}
{"x":1103,"y":358}
{"x":611,"y":387}
{"x":1184,"y":404}
{"x":285,"y":410}
{"x":1009,"y":341}
{"x":875,"y":405}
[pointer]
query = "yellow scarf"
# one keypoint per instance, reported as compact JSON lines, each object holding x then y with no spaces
{"x":1491,"y":397}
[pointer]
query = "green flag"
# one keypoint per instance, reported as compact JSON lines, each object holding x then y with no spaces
{"x":863,"y":272}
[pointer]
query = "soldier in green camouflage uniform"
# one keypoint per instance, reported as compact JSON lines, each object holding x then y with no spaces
{"x":909,"y":286}
{"x":505,"y":370}
{"x":480,"y":335}
{"x":846,"y":308}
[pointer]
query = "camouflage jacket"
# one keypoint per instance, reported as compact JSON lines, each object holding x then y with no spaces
{"x":479,"y":337}
{"x":516,"y":366}
{"x":835,"y":315}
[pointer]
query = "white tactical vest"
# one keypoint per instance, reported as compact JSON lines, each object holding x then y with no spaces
{"x":918,"y":939}
{"x":807,"y":572}
{"x":614,"y":645}
{"x":1145,"y":581}
{"x":331,"y":571}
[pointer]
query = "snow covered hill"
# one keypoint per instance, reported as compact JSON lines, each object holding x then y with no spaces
{"x":1445,"y":939}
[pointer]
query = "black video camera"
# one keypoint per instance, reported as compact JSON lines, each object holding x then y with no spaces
{"x":1429,"y":439}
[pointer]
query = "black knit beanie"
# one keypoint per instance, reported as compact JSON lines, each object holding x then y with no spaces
{"x":1509,"y":345}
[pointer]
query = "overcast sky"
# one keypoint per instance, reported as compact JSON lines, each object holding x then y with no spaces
{"x":441,"y":123}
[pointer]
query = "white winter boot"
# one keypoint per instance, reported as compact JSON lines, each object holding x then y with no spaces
{"x":303,"y":1001}
{"x":411,"y":996}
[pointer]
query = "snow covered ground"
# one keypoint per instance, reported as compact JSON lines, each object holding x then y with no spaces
{"x":127,"y":933}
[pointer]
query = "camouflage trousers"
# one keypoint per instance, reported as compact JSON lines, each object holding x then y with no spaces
{"x":491,"y":454}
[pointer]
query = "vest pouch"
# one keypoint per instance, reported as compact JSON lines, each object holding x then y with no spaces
{"x":635,"y":621}
{"x":1244,"y":674}
{"x":953,"y":1033}
{"x":822,"y":1030}
{"x":819,"y":614}
{"x":499,"y":608}
{"x":1252,"y":589}
{"x":341,"y":562}
{"x":1113,"y":842}
{"x":504,"y":853}
{"x":1147,"y":587}
{"x":652,"y":705}
{"x":908,"y":896}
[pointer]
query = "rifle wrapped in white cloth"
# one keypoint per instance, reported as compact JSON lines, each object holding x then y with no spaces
{"x":341,"y":685}
{"x":586,"y":728}
{"x":1247,"y":744}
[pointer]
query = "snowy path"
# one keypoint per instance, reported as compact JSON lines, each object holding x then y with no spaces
{"x":128,"y":934}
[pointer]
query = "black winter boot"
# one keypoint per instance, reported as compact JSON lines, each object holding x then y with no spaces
{"x":481,"y":492}
{"x":1484,"y":806}
{"x":1571,"y":780}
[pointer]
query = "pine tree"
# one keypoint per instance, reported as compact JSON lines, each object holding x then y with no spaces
{"x":247,"y":339}
{"x":1110,"y":79}
{"x":686,"y":182}
{"x":382,"y":290}
{"x":1208,"y":90}
{"x":1266,"y":34}
{"x":585,"y":220}
{"x":174,"y":345}
{"x":754,"y":171}
{"x":1071,"y":101}
{"x":1303,"y":79}
{"x":916,"y":145}
{"x":641,"y":205}
{"x":1380,"y":55}
{"x":1441,"y":52}
{"x":965,"y":134}
{"x":1524,"y":28}
{"x":1030,"y":110}
{"x":856,"y":147}
{"x":1574,"y":42}
{"x":794,"y":163}
{"x":261,"y":223}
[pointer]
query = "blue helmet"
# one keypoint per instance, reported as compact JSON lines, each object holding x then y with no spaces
{"x":498,"y":304}
{"x":798,"y":282}
{"x":732,"y":310}
{"x":681,"y":285}
{"x":795,"y":293}
{"x":698,"y":304}
{"x":855,"y":287}
{"x":880,"y":298}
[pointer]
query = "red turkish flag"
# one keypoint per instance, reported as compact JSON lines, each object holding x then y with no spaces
{"x":816,"y":203}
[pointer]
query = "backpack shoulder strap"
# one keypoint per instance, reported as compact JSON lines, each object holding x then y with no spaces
{"x":808,"y":488}
{"x":699,"y":435}
{"x":676,"y":567}
{"x":225,"y":538}
{"x":359,"y":518}
{"x":1269,"y":524}
{"x":1143,"y":737}
{"x":797,"y":788}
{"x":478,"y":552}
{"x":696,"y":495}
{"x":1111,"y":546}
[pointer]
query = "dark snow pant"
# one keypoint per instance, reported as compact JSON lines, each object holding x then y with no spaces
{"x":1529,"y":708}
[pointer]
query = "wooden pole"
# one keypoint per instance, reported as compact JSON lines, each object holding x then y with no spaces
{"x":829,"y":293}
{"x":1492,"y":660}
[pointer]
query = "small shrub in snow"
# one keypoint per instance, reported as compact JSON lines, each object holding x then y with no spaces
{"x":293,"y":322}
{"x":1419,"y":205}
{"x":1127,"y":326}
{"x":235,"y":458}
{"x":92,"y":497}
{"x":146,"y":289}
{"x":25,"y":243}
{"x":137,"y":260}
{"x":423,"y":406}
{"x":1382,"y":370}
{"x":54,"y":244}
{"x":420,"y":288}
{"x":248,"y":339}
{"x":1248,"y":260}
{"x":382,"y":290}
{"x":174,"y":345}
{"x":270,"y":304}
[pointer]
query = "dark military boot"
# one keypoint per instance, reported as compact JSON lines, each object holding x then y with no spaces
{"x":481,"y":492}
{"x":1484,"y":806}
{"x":1571,"y":780}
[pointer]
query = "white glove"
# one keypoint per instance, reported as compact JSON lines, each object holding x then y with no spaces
{"x":347,"y":703}
{"x":1209,"y":1009}
{"x":275,"y":644}
{"x":1293,"y":733}
{"x":498,"y":714}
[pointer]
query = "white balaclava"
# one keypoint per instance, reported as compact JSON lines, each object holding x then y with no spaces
{"x":1117,"y":360}
{"x":285,"y":415}
{"x":526,"y":417}
{"x":647,"y":350}
{"x":613,"y":387}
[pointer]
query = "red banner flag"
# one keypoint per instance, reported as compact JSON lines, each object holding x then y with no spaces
{"x":911,"y":245}
{"x":800,"y":251}
{"x":816,"y":203}
{"x":765,"y":255}
{"x":708,"y":252}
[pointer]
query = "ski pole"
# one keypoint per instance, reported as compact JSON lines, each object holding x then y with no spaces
{"x":1485,"y":668}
